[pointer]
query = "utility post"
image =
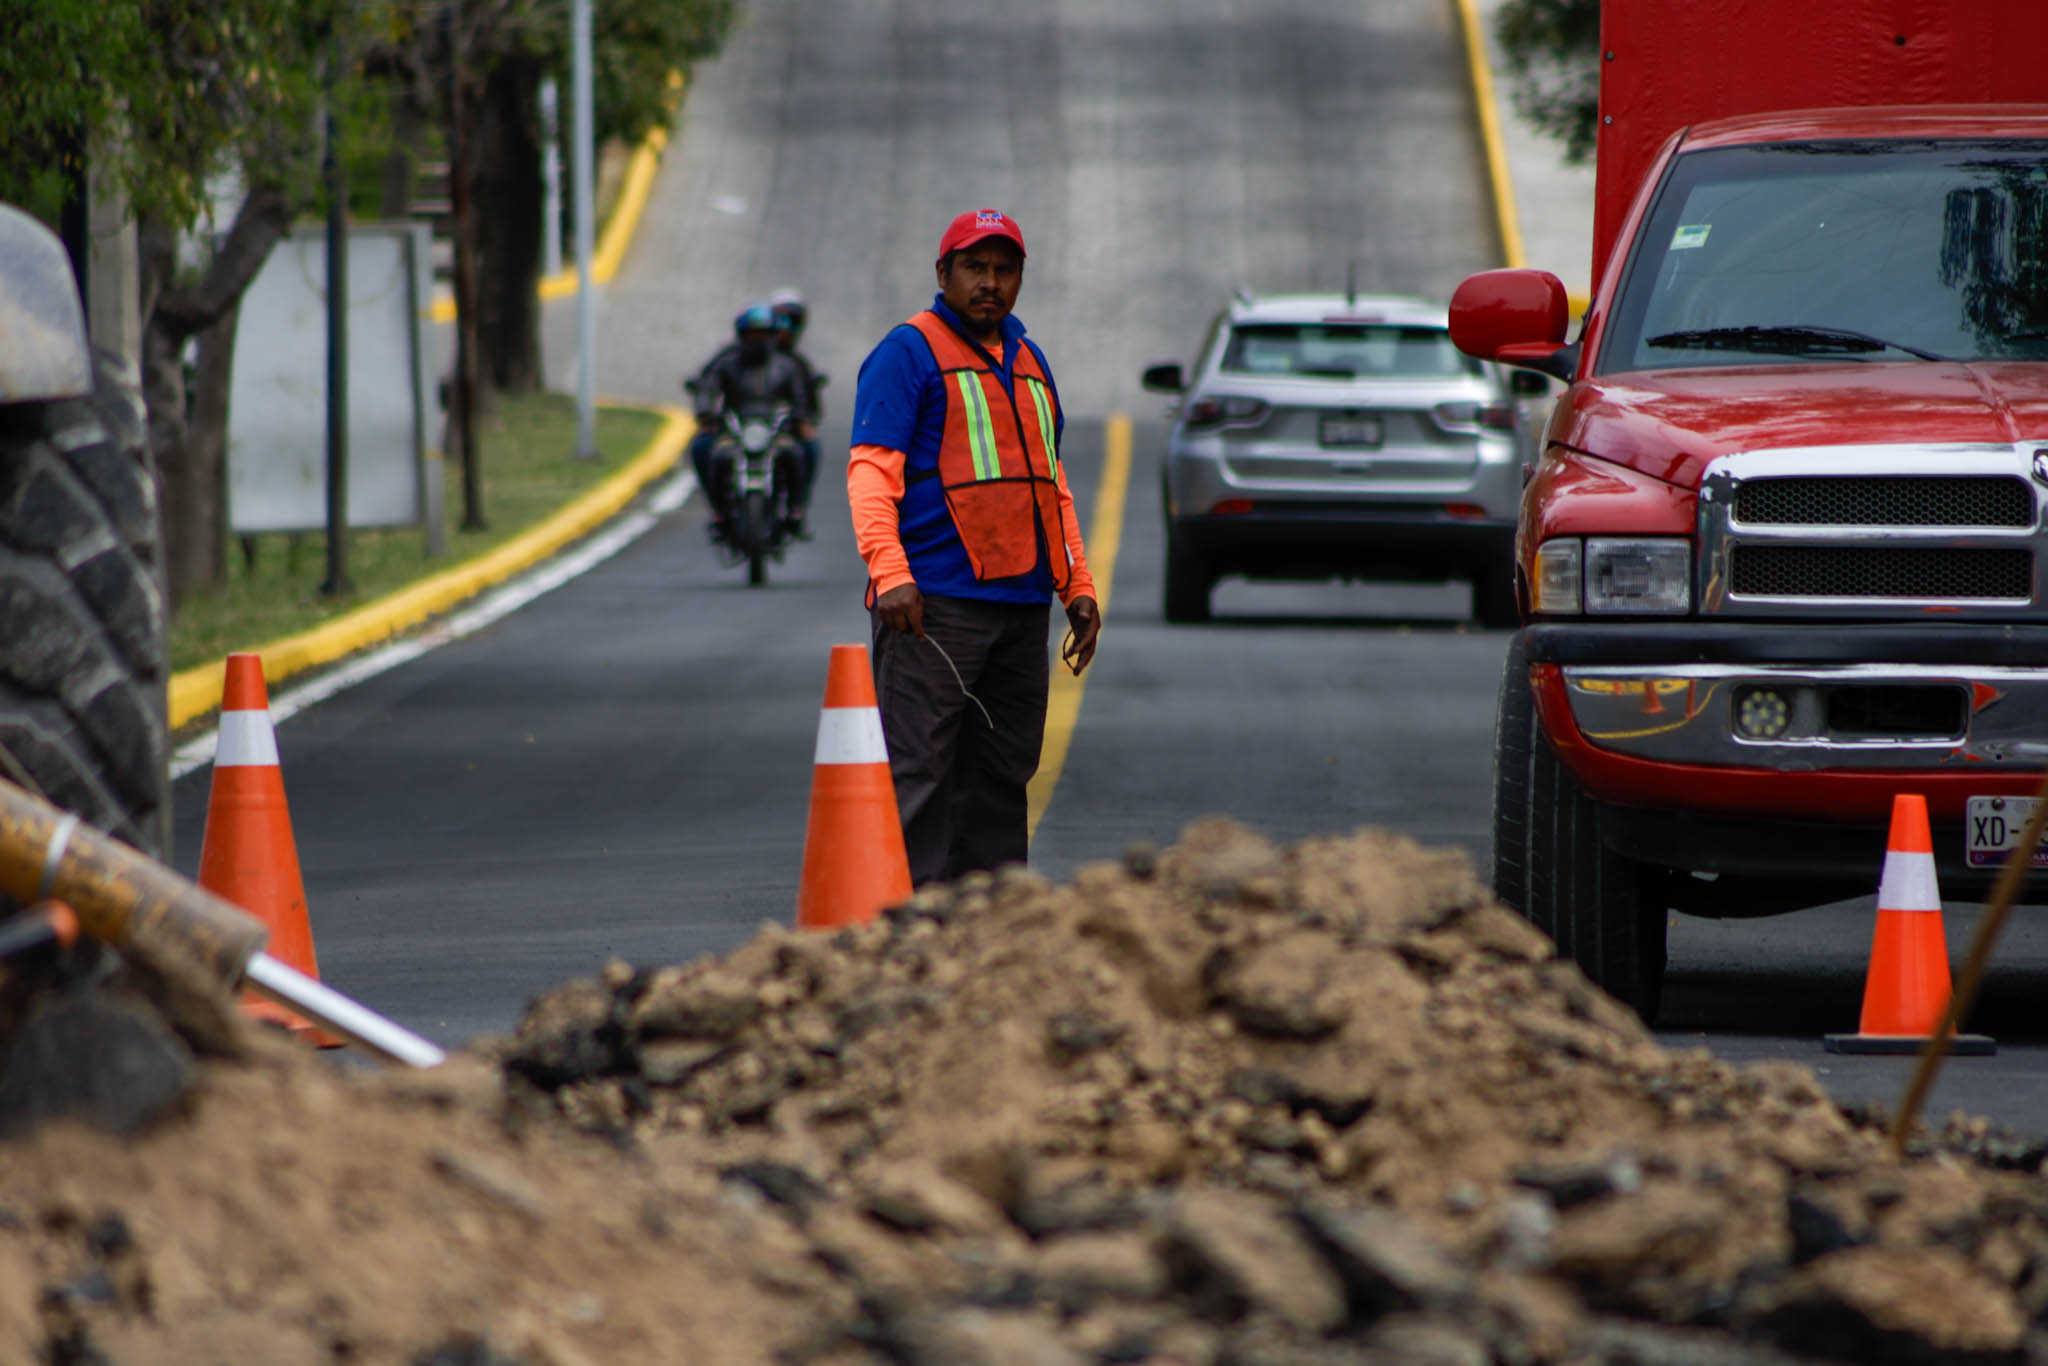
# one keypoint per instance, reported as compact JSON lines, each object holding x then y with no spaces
{"x":586,"y":287}
{"x":336,"y":173}
{"x":465,"y":281}
{"x":551,"y":177}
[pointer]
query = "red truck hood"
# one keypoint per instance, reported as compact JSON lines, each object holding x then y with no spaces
{"x":1669,"y":423}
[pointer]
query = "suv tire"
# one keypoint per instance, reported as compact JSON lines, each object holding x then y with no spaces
{"x":1493,"y":599}
{"x":1189,"y":577}
{"x":1549,"y":862}
{"x":82,"y":670}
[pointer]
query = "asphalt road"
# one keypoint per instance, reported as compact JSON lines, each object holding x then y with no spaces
{"x":622,"y":768}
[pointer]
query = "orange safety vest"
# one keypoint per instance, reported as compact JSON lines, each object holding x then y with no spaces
{"x":999,"y":461}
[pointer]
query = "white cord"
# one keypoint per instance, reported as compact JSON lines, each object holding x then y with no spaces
{"x":961,"y":681}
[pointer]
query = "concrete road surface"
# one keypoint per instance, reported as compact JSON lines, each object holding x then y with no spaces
{"x":622,"y":769}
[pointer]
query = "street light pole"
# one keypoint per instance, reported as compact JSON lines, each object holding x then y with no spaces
{"x":586,"y":287}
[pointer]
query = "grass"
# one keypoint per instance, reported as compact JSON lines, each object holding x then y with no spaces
{"x":527,"y":474}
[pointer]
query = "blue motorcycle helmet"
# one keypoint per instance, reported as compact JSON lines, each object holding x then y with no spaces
{"x":755,"y":318}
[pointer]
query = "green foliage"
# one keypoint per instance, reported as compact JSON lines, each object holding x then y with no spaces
{"x":167,"y":91}
{"x":1553,"y":50}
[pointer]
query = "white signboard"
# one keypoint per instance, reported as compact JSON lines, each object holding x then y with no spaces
{"x":277,"y":418}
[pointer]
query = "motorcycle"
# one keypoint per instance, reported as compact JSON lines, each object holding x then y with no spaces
{"x":760,"y":449}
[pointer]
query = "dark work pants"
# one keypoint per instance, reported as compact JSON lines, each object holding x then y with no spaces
{"x":960,"y":781}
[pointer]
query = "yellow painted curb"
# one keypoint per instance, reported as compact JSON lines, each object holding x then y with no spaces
{"x":1506,"y":219}
{"x":618,"y":232}
{"x":1105,"y":536}
{"x":197,"y":691}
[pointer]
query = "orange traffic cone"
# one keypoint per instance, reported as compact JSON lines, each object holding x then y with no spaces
{"x":1907,"y":987}
{"x":854,"y":862}
{"x":247,"y":855}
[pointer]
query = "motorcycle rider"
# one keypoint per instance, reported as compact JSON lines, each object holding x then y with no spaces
{"x":790,"y":310}
{"x":747,"y":375}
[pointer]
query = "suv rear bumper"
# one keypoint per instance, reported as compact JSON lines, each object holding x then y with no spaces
{"x":1369,"y":540}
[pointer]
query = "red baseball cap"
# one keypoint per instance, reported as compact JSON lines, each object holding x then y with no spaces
{"x":977,"y":225}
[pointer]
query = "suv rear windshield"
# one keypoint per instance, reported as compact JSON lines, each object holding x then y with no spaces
{"x":1874,"y":250}
{"x":1344,"y":351}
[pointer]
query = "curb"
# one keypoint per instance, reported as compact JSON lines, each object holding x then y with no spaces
{"x":196,"y":691}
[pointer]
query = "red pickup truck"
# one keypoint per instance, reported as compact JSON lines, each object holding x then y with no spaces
{"x":1785,"y":551}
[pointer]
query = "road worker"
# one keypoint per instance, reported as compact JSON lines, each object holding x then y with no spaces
{"x":962,"y":512}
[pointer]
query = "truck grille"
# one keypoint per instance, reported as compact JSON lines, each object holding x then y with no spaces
{"x":1886,"y":500}
{"x":1864,"y":571}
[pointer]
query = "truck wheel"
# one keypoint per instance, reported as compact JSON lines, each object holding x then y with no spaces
{"x":1188,"y":581}
{"x":81,"y":610}
{"x":1587,"y":898}
{"x":1512,"y":719}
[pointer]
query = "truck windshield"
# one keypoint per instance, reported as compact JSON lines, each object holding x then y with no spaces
{"x":1855,"y":250}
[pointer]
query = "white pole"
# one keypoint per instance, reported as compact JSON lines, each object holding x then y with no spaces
{"x":551,"y":177}
{"x":586,"y":332}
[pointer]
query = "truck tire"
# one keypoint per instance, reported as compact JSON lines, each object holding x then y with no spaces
{"x":1588,"y":899}
{"x":1511,"y":728}
{"x":83,"y":655}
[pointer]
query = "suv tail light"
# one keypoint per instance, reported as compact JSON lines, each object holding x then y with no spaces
{"x":1225,"y":411}
{"x":1467,"y":415}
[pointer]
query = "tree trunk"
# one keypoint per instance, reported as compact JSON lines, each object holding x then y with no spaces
{"x":510,"y":199}
{"x":188,"y":430}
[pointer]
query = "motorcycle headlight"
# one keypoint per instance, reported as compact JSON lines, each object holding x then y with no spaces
{"x":1637,"y":574}
{"x":754,"y":436}
{"x":1558,"y":576}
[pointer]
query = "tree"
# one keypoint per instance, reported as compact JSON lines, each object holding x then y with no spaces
{"x":504,"y":50}
{"x":1553,"y":52}
{"x":173,"y":95}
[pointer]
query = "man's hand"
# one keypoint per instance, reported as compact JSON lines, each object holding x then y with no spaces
{"x":902,"y":609}
{"x":1085,"y":619}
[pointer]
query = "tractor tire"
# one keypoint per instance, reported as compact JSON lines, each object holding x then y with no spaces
{"x":83,"y":650}
{"x":1550,"y":864}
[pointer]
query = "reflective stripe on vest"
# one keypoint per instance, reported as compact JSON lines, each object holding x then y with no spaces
{"x":999,"y":458}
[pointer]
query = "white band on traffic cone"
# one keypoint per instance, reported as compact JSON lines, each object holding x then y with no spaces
{"x":851,"y":735}
{"x":1908,"y":883}
{"x":246,"y":740}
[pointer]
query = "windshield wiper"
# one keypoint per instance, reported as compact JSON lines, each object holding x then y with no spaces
{"x":1787,"y":341}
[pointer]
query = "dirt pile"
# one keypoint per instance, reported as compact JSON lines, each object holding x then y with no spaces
{"x":1222,"y":1104}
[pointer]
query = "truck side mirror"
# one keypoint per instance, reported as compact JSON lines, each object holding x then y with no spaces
{"x":1517,"y":317}
{"x":1165,"y":379}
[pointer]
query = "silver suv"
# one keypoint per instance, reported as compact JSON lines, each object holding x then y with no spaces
{"x":1324,"y":436}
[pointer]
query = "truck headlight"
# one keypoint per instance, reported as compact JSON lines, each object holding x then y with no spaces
{"x":1556,"y":588}
{"x":1634,"y":574}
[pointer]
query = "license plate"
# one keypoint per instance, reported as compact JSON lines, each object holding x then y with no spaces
{"x":1995,"y":826}
{"x":1351,"y":431}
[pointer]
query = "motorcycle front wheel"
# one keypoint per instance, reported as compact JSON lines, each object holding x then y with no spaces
{"x":754,"y":536}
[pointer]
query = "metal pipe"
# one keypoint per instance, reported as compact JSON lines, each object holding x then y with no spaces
{"x":324,"y":1006}
{"x":177,"y":927}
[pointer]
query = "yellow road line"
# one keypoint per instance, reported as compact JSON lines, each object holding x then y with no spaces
{"x":1063,"y":703}
{"x":611,"y":246}
{"x":197,"y":691}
